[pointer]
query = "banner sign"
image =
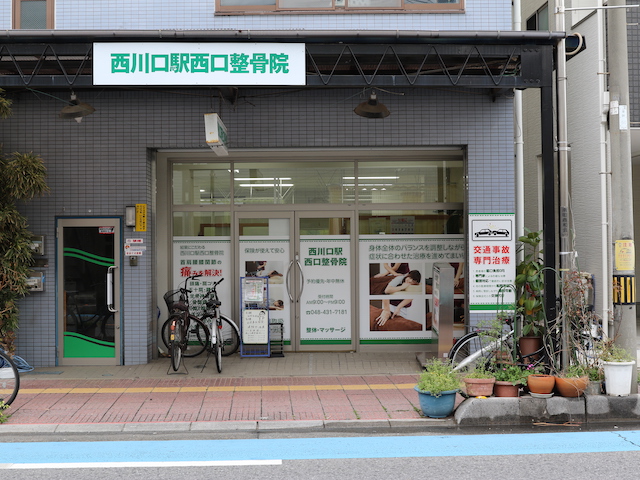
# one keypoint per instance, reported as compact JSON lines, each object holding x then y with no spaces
{"x":199,"y":64}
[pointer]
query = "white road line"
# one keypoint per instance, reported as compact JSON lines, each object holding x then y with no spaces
{"x":213,"y":463}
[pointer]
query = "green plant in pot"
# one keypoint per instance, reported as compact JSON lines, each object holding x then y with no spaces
{"x":437,"y":387}
{"x":618,"y":366}
{"x":573,"y":380}
{"x":509,"y":379}
{"x":479,"y":381}
{"x":529,"y":285}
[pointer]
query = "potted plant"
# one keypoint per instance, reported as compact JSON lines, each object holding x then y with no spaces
{"x":479,"y":382}
{"x":539,"y":383}
{"x":529,"y":285}
{"x":509,"y":379}
{"x":596,"y":376}
{"x":437,"y":388}
{"x":618,"y":366}
{"x":572,"y":381}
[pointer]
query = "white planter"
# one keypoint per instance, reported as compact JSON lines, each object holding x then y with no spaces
{"x":618,"y":377}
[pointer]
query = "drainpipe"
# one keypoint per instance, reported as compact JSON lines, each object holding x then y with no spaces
{"x":518,"y":141}
{"x":605,"y":177}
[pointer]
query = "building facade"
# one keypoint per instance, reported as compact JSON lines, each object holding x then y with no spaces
{"x":325,"y":203}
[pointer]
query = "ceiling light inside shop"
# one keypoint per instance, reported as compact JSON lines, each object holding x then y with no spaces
{"x":249,"y":185}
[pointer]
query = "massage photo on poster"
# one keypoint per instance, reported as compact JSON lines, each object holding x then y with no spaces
{"x":398,"y":293}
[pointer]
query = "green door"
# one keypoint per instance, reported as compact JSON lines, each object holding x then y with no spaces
{"x":88,"y":258}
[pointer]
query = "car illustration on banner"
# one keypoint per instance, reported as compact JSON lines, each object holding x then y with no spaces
{"x":495,"y":230}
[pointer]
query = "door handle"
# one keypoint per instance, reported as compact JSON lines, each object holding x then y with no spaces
{"x":288,"y":281}
{"x":110,"y":300}
{"x":301,"y":280}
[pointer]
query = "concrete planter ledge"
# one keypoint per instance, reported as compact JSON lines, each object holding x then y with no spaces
{"x":528,"y":410}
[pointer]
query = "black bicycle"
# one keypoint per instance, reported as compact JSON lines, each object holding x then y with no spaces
{"x":185,"y":334}
{"x":200,"y":336}
{"x":9,"y":379}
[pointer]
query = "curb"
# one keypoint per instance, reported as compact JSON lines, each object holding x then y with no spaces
{"x":527,"y":410}
{"x":239,"y":426}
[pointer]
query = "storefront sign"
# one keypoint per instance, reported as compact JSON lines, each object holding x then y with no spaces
{"x":492,"y":261}
{"x":199,"y":64}
{"x":325,"y":301}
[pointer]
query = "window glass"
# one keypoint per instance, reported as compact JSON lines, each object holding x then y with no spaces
{"x":338,"y":6}
{"x":33,"y":14}
{"x":287,"y":183}
{"x":411,"y":222}
{"x":203,"y":224}
{"x":407,"y":182}
{"x":201,"y":184}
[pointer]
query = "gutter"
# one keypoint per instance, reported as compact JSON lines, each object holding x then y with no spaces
{"x":306,"y":36}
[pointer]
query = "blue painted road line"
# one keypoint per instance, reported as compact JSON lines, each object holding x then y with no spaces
{"x":318,"y":448}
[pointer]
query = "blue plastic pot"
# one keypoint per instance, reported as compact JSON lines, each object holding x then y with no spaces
{"x":437,"y":407}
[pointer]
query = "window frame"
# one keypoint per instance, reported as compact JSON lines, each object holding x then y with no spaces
{"x":444,"y":7}
{"x":17,"y":14}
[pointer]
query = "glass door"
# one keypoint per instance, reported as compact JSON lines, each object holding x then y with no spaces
{"x":324,"y":257}
{"x":88,"y":256}
{"x":307,"y":257}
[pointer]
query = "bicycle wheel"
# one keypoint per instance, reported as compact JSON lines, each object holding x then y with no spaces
{"x":176,"y":332}
{"x":230,"y":336}
{"x":469,"y":345}
{"x":9,"y":379}
{"x":197,"y":337}
{"x":217,"y":345}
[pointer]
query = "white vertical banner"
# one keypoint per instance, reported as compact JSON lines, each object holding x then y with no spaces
{"x":208,"y":257}
{"x":492,"y":261}
{"x":262,"y":256}
{"x":325,"y":300}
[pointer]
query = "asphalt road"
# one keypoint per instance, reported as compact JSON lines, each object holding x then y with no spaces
{"x":566,"y":454}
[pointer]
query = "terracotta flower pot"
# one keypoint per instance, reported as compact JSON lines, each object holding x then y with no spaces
{"x":542,"y":384}
{"x":505,"y":389}
{"x":528,"y":346}
{"x":479,"y":387}
{"x":571,"y":387}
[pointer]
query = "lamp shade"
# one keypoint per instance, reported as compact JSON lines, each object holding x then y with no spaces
{"x":372,"y":108}
{"x":76,"y":110}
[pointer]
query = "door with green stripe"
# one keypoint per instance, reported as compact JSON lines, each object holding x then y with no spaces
{"x":88,"y":260}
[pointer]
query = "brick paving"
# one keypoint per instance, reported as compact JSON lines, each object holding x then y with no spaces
{"x":368,"y":390}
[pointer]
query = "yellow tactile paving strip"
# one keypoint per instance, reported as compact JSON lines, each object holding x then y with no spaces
{"x":239,"y":388}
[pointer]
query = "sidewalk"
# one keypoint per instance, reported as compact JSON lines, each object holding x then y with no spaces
{"x":298,"y":390}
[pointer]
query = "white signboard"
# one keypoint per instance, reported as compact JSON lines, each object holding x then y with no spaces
{"x":199,"y":64}
{"x":255,"y":327}
{"x":208,"y":257}
{"x":325,"y":301}
{"x":269,"y":257}
{"x":492,"y":261}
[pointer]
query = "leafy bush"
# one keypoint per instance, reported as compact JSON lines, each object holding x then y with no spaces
{"x":437,"y":377}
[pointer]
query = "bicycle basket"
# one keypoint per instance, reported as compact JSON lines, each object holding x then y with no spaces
{"x":171,"y":297}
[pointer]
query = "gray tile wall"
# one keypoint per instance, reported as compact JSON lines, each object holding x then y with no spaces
{"x":103,"y":164}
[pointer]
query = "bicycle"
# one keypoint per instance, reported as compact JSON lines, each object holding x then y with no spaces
{"x":228,"y":331}
{"x":185,"y":334}
{"x":9,"y":379}
{"x":475,"y":348}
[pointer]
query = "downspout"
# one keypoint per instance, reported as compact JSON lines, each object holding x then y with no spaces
{"x":605,"y":177}
{"x":518,"y":141}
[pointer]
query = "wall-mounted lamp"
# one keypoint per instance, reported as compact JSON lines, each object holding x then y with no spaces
{"x":76,"y":109}
{"x":130,"y":216}
{"x":372,"y":108}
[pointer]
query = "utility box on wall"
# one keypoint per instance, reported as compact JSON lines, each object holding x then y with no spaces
{"x":35,"y":282}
